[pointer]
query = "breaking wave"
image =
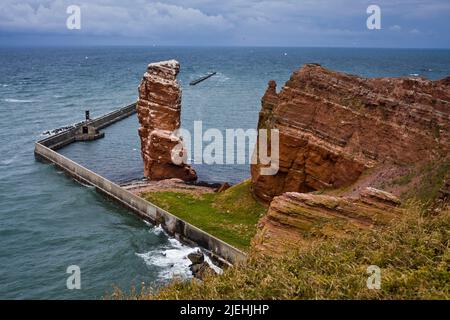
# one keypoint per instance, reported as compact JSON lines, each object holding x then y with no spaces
{"x":171,"y":259}
{"x":19,"y":100}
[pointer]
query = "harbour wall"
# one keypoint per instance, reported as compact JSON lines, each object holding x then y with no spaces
{"x":174,"y":226}
{"x":62,"y":139}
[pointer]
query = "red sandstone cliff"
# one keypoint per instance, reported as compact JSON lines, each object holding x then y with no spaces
{"x":296,"y":219}
{"x":334,"y":126}
{"x":158,"y":109}
{"x":348,"y":137}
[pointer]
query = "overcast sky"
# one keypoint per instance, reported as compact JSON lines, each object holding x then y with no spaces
{"x":404,"y":23}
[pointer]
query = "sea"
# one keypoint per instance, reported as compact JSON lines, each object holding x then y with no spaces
{"x":48,"y":222}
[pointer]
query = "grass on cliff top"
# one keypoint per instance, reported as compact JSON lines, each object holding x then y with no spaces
{"x":230,"y":215}
{"x":413,"y":255}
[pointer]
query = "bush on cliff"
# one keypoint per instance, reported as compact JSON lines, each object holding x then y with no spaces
{"x":413,"y":255}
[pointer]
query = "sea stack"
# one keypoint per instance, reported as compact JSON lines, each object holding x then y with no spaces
{"x":158,"y":110}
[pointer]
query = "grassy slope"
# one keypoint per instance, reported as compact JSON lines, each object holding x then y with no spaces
{"x":231,"y":215}
{"x":413,"y":255}
{"x":432,"y":179}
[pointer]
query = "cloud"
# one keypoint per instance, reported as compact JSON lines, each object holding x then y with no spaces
{"x":241,"y":22}
{"x":395,"y":27}
{"x":23,"y":16}
{"x":137,"y":18}
{"x":151,"y":20}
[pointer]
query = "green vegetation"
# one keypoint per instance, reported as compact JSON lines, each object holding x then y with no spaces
{"x":413,"y":254}
{"x":230,"y":215}
{"x":404,"y":180}
{"x":429,"y":183}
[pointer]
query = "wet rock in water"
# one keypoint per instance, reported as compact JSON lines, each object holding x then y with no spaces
{"x":203,"y":270}
{"x":158,"y":111}
{"x":199,"y":267}
{"x":196,"y":257}
{"x":195,"y":268}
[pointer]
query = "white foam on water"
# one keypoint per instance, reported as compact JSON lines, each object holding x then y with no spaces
{"x":86,"y":185}
{"x":172,"y":259}
{"x":8,"y":161}
{"x":147,"y":223}
{"x":157,"y":230}
{"x":18,"y":100}
{"x":171,"y":262}
{"x":176,"y":244}
{"x":221,"y":77}
{"x":213,"y":266}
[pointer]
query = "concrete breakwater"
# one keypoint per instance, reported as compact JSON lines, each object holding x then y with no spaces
{"x":174,"y":226}
{"x":193,"y":83}
{"x":64,"y":138}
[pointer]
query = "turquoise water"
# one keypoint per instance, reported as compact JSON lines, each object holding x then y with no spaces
{"x":48,"y":222}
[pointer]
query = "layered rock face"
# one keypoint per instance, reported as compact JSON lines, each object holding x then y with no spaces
{"x":295,"y":219}
{"x":158,"y":110}
{"x":348,"y":137}
{"x":334,"y":126}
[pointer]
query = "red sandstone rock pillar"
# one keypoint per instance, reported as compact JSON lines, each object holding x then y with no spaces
{"x":158,"y":109}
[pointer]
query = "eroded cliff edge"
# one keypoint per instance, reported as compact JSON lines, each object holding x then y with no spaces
{"x":334,"y":126}
{"x":345,"y":139}
{"x":159,"y":109}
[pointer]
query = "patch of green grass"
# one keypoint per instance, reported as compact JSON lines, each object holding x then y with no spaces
{"x":404,"y":180}
{"x":413,"y":254}
{"x":230,"y":215}
{"x":431,"y":180}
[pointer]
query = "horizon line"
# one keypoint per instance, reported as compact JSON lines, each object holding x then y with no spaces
{"x":37,"y":46}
